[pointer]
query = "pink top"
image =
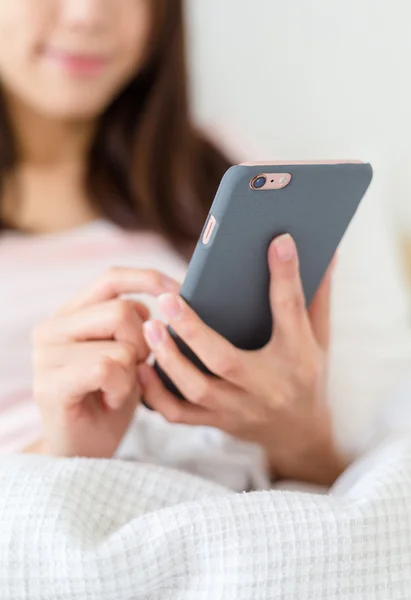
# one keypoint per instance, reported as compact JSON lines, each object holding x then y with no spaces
{"x":372,"y":339}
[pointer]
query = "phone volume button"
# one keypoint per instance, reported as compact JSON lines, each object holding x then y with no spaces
{"x":209,"y":229}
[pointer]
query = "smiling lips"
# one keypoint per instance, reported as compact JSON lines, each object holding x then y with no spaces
{"x":76,"y":64}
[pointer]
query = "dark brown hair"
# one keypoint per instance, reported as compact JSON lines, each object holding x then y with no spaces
{"x":149,"y":167}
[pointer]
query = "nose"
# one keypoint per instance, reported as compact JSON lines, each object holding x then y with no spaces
{"x":85,"y":14}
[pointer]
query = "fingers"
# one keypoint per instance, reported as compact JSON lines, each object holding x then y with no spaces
{"x":165,"y":403}
{"x":48,"y":356}
{"x":286,"y":292}
{"x":141,"y":309}
{"x":216,"y":353}
{"x":320,"y":310}
{"x":196,"y":387}
{"x":118,"y":281}
{"x":116,"y":319}
{"x":70,"y":384}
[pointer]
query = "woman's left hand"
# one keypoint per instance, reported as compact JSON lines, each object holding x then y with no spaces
{"x":274,"y":396}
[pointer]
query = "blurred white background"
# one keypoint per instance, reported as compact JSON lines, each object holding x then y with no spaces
{"x":310,"y":79}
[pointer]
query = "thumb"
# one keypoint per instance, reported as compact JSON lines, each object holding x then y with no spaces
{"x":286,"y":291}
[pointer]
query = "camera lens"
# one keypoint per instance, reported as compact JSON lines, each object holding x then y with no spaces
{"x":259,"y":182}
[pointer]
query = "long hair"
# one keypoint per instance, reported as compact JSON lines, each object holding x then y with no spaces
{"x":148,"y":166}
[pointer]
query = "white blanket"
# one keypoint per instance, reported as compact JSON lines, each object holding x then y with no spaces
{"x":113,"y":530}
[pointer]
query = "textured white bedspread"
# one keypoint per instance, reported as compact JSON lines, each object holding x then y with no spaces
{"x":113,"y":530}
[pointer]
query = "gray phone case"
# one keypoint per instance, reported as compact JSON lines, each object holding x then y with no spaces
{"x":227,"y":282}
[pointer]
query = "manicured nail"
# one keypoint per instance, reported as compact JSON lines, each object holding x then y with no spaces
{"x":171,"y":306}
{"x":154,"y":333}
{"x":285,"y":248}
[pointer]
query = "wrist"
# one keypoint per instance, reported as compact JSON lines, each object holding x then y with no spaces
{"x":321,"y":464}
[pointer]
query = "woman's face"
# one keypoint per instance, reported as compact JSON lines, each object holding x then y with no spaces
{"x":69,"y":58}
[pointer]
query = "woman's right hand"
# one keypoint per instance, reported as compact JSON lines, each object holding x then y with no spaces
{"x":85,"y":364}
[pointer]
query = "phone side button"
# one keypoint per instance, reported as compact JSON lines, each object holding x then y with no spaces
{"x":209,"y":229}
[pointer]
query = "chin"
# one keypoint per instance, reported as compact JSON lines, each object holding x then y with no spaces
{"x":73,"y":104}
{"x":87,"y":109}
{"x":74,"y":112}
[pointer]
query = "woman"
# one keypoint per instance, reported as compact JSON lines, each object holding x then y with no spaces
{"x":101,"y":164}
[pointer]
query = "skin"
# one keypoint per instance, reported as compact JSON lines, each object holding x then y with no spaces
{"x":275,"y":396}
{"x":54,"y":101}
{"x":86,"y":361}
{"x":90,"y":372}
{"x":61,"y":63}
{"x":37,"y":38}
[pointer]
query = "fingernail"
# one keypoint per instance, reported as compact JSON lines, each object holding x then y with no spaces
{"x":171,"y":306}
{"x":285,"y":248}
{"x":154,"y":333}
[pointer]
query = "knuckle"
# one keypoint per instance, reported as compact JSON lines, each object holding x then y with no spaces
{"x":123,"y":312}
{"x":202,"y":393}
{"x":108,"y":278}
{"x":104,"y":370}
{"x":226,"y":365}
{"x":311,"y":371}
{"x":127,"y":354}
{"x":187,"y":328}
{"x":153,"y":277}
{"x":293,"y":304}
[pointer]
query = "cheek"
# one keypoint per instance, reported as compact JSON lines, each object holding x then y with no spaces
{"x":11,"y":41}
{"x":134,"y":35}
{"x":23,"y":28}
{"x":21,"y":24}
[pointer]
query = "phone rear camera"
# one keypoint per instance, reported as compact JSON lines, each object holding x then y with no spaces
{"x":259,"y":182}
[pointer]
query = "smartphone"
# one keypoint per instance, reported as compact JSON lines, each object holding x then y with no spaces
{"x":227,"y":282}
